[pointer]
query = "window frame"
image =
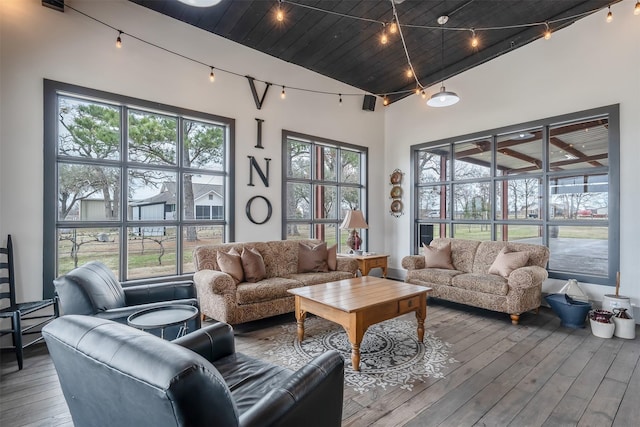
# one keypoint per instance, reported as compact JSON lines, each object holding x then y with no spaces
{"x":611,"y":112}
{"x":362,"y":186}
{"x":51,"y":223}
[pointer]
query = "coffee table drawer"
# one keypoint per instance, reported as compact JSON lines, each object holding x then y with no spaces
{"x":409,"y":304}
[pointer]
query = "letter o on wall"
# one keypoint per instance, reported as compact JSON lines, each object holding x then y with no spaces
{"x":269,"y":210}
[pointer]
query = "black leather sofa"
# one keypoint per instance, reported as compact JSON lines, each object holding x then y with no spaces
{"x":92,"y":289}
{"x":115,"y":375}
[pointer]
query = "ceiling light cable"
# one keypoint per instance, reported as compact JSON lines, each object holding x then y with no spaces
{"x":404,"y":46}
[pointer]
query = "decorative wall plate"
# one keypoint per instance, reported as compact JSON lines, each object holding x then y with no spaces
{"x":396,"y":208}
{"x":396,"y":192}
{"x":396,"y":177}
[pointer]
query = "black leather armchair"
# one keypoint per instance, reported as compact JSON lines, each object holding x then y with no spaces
{"x":112,"y":374}
{"x":92,"y":289}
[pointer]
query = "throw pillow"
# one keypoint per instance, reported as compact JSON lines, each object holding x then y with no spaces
{"x":438,"y":257}
{"x":332,"y":257}
{"x":231,"y":264}
{"x":507,"y":261}
{"x":312,"y":259}
{"x":253,"y":265}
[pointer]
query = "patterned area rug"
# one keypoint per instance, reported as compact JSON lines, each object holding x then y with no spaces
{"x":390,"y":353}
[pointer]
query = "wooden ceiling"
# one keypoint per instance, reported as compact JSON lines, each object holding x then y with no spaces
{"x":349,"y":50}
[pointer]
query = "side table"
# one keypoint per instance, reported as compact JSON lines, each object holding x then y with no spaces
{"x":367,"y":262}
{"x":162,"y":317}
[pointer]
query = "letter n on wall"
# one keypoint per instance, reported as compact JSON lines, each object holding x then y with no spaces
{"x":253,"y":165}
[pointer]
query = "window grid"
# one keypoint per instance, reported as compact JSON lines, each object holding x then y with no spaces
{"x":593,"y":168}
{"x":129,"y":224}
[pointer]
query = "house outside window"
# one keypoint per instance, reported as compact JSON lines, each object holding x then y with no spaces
{"x":323,"y":179}
{"x":125,"y":182}
{"x":553,"y":182}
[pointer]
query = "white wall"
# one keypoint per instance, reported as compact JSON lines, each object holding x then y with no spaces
{"x":589,"y":64}
{"x":38,"y":43}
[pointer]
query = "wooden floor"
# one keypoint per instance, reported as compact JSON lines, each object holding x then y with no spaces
{"x":534,"y":374}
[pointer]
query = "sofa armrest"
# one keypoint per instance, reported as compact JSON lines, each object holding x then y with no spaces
{"x":526,"y":277}
{"x":157,"y":292}
{"x":413,"y":262}
{"x":212,"y":342}
{"x":213,"y":281}
{"x":347,"y":264}
{"x":311,"y":396}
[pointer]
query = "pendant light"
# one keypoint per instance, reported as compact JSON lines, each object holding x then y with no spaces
{"x":201,"y":3}
{"x":443,"y":98}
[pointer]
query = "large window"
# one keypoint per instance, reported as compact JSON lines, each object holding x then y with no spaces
{"x":323,"y":179}
{"x":553,"y":182}
{"x":134,"y":184}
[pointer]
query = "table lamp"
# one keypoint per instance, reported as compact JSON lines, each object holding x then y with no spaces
{"x":352,"y":220}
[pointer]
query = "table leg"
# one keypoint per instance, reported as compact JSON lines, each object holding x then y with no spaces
{"x":384,"y":271}
{"x":421,"y":315}
{"x":300,"y":316}
{"x":355,"y":333}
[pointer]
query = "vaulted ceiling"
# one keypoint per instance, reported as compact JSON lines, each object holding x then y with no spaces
{"x":341,"y":38}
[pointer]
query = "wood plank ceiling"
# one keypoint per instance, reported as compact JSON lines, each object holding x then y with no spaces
{"x":349,"y":50}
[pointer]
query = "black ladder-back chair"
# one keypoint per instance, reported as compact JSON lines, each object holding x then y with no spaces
{"x":18,"y":311}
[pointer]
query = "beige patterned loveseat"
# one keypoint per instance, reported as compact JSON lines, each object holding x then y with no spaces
{"x":221,"y":299}
{"x":470,"y":282}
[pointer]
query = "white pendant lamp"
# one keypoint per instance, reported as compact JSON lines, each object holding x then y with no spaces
{"x":443,"y":98}
{"x":201,"y":3}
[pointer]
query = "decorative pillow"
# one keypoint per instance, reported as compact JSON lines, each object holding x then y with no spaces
{"x":253,"y":265}
{"x":332,"y":257}
{"x":231,"y":263}
{"x":438,"y":257}
{"x":312,"y":259}
{"x":507,"y":261}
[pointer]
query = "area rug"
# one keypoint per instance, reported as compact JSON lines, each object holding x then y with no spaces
{"x":390,"y":353}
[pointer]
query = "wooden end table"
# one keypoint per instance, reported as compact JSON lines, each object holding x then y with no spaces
{"x":367,"y":262}
{"x":358,"y":303}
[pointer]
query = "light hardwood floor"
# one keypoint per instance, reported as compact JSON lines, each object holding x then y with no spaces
{"x":533,"y":374}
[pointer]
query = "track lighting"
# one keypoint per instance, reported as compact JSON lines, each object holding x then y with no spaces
{"x":119,"y":40}
{"x":609,"y":15}
{"x":212,"y":77}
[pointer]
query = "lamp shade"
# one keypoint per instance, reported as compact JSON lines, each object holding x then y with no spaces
{"x":354,"y":219}
{"x":201,"y":3}
{"x":443,"y":98}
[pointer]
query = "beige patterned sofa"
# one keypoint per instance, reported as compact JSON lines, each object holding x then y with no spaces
{"x":470,"y":282}
{"x":224,"y":300}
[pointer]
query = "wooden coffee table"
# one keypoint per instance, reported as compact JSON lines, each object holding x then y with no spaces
{"x":358,"y":303}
